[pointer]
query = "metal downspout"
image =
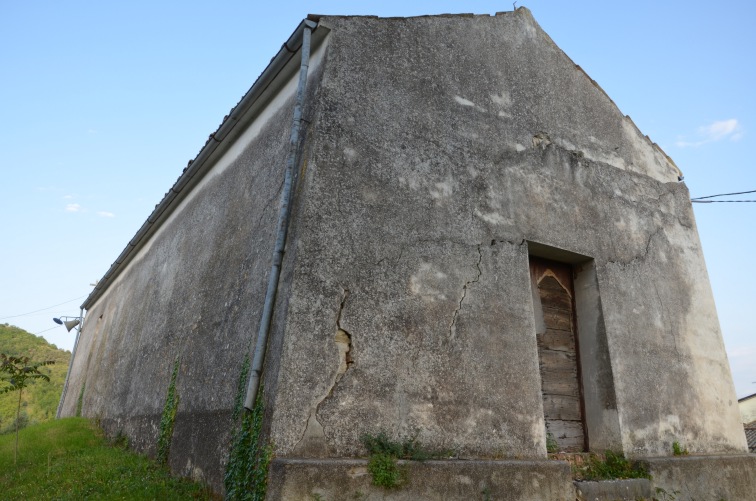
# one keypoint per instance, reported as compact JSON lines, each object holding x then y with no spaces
{"x":70,"y":363}
{"x":258,"y":357}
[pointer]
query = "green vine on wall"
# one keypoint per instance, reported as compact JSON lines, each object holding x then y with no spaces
{"x":246,"y":475}
{"x":241,"y":386}
{"x":168,"y":418}
{"x":80,"y":400}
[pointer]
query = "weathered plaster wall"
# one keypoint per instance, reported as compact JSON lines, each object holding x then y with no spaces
{"x":443,"y":146}
{"x":195,"y":293}
{"x":346,"y":480}
{"x":694,"y":478}
{"x":439,"y":153}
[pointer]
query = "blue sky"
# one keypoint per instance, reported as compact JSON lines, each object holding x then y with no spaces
{"x":103,"y":104}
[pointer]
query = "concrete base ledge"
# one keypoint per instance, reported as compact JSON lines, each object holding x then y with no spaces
{"x":730,"y":478}
{"x":631,"y":489}
{"x":348,"y":479}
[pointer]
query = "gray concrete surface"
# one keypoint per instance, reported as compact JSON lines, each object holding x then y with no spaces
{"x":436,"y":163}
{"x":342,"y":480}
{"x":691,"y":478}
{"x":440,"y":152}
{"x":631,"y":489}
{"x":195,"y":292}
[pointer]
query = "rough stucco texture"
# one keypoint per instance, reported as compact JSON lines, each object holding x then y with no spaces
{"x":343,"y":480}
{"x":196,"y":294}
{"x":439,"y":153}
{"x":443,"y":145}
{"x":694,"y":478}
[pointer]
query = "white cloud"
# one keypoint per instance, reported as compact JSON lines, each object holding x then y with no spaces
{"x":719,"y":130}
{"x":73,"y":208}
{"x":68,"y":197}
{"x":103,"y":213}
{"x":715,"y":131}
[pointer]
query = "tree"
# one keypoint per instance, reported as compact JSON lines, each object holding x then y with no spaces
{"x":19,"y":372}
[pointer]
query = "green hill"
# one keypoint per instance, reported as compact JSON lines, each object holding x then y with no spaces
{"x":40,"y":400}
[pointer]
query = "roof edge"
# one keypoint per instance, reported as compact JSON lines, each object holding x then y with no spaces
{"x":200,"y":165}
{"x":747,"y":397}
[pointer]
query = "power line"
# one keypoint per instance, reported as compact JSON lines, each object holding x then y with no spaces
{"x":695,"y":201}
{"x":43,"y":309}
{"x":726,"y":195}
{"x":40,"y":332}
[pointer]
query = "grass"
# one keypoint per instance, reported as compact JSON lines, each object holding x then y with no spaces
{"x":70,"y":459}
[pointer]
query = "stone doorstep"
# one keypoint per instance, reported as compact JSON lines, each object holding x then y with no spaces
{"x":730,"y":477}
{"x":433,"y":480}
{"x":574,"y":458}
{"x":630,"y":489}
{"x":697,"y":477}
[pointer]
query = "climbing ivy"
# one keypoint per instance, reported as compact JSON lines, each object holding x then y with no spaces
{"x":241,"y":385}
{"x":80,"y":400}
{"x":246,"y":475}
{"x":168,"y":417}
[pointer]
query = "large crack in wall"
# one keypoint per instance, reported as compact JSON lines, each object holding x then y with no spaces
{"x":343,"y":341}
{"x":313,"y":440}
{"x":453,"y":324}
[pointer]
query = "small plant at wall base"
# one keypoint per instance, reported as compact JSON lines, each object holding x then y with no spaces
{"x":486,"y":493}
{"x":613,"y":466}
{"x":246,"y":475}
{"x":18,"y":372}
{"x":664,"y":495}
{"x":552,"y":445}
{"x":168,"y":418}
{"x":678,"y":450}
{"x":408,"y":448}
{"x":384,"y":454}
{"x":385,"y":471}
{"x":120,"y":441}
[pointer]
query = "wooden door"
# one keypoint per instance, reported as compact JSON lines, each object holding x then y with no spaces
{"x":554,"y":305}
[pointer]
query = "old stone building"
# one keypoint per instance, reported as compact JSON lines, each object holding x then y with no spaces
{"x":483,"y":253}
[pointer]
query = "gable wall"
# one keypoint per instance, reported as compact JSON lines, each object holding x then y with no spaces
{"x":444,"y":146}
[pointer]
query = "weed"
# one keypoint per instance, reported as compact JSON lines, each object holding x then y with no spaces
{"x":551,"y":443}
{"x":120,"y":441}
{"x":316,"y":497}
{"x":384,"y":453}
{"x":614,"y":466}
{"x":678,"y":450}
{"x":486,"y":493}
{"x":385,"y":471}
{"x":407,"y":448}
{"x":168,"y":418}
{"x":664,"y":495}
